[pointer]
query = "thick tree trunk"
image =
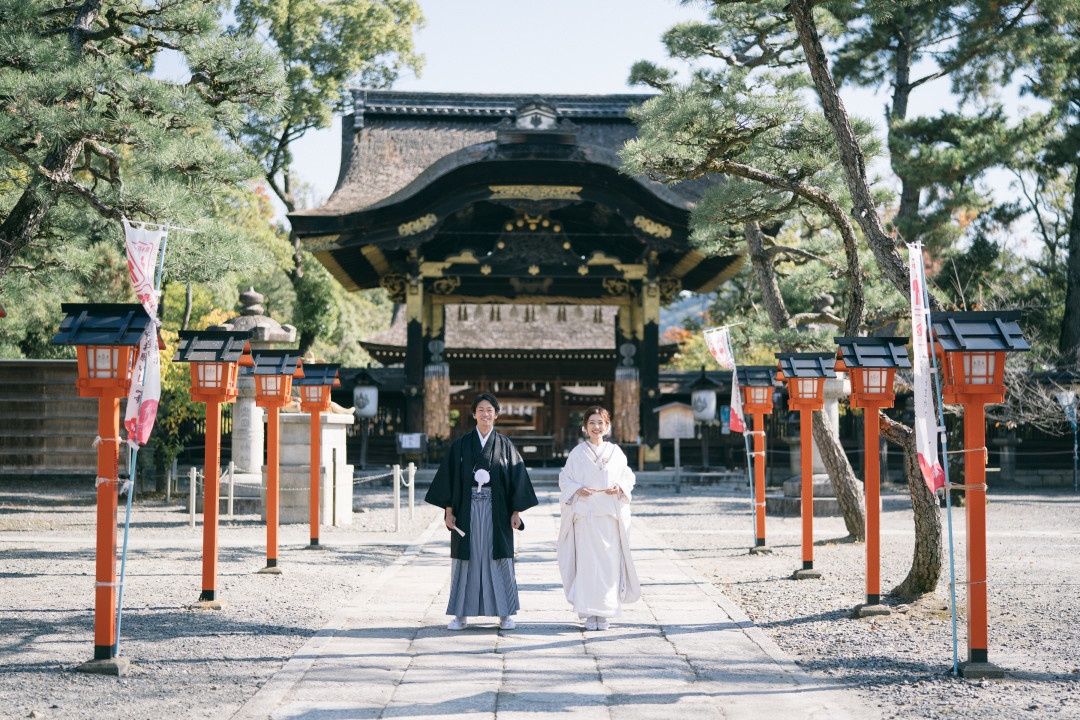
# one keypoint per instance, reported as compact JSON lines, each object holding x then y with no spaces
{"x":851,"y":155}
{"x":908,"y":212}
{"x":187,"y":309}
{"x":836,"y":463}
{"x":845,"y":485}
{"x":1069,"y":344}
{"x":926,"y":561}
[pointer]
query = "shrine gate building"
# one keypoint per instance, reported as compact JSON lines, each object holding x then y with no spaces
{"x":523,"y":260}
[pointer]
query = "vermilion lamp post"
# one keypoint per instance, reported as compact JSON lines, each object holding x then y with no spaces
{"x":274,"y":371}
{"x":972,"y":346}
{"x":106,"y":337}
{"x":872,"y":363}
{"x":756,"y":384}
{"x":805,"y":374}
{"x":214,"y":356}
{"x":315,"y":399}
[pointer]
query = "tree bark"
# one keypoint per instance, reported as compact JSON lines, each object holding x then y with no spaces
{"x":926,"y":561}
{"x":851,"y":155}
{"x":187,"y":309}
{"x":836,"y":463}
{"x":845,"y":485}
{"x":908,"y":212}
{"x":1069,"y":343}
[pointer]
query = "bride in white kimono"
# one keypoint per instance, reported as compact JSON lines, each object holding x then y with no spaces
{"x":594,"y":538}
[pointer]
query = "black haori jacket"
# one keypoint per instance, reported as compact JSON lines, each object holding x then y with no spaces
{"x":511,"y":489}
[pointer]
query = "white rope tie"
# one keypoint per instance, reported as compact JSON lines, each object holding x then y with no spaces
{"x":126,"y":487}
{"x":98,"y":440}
{"x":108,"y":584}
{"x":101,"y":481}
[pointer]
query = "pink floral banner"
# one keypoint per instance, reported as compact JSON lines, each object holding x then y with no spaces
{"x":718,"y":340}
{"x":925,"y":419}
{"x":143,"y":245}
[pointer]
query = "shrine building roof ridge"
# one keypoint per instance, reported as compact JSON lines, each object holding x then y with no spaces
{"x":487,"y":105}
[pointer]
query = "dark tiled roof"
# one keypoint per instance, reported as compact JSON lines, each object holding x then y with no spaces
{"x":392,"y":138}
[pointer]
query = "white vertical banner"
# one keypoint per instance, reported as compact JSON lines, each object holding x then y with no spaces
{"x":142,"y":246}
{"x":718,"y":340}
{"x":925,"y":420}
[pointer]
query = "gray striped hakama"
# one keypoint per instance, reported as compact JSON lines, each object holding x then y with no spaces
{"x":482,"y":586}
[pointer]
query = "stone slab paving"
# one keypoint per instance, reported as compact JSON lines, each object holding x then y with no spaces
{"x":683,"y":651}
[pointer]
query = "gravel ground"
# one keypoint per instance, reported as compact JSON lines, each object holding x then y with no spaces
{"x":203,"y":664}
{"x":902,"y":663}
{"x":185,"y":663}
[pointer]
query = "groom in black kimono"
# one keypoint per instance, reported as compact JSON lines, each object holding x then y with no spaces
{"x":482,"y":485}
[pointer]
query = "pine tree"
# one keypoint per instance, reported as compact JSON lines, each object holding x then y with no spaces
{"x":89,"y":135}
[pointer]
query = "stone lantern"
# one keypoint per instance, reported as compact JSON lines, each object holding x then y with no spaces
{"x":247,"y":432}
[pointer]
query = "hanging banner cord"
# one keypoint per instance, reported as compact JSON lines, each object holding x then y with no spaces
{"x":133,"y":450}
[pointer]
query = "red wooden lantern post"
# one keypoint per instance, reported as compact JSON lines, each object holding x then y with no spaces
{"x":106,"y":337}
{"x":872,"y":363}
{"x":274,"y":371}
{"x":315,"y":399}
{"x":805,"y":374}
{"x":214,"y":356}
{"x":756,"y":384}
{"x":972,"y":347}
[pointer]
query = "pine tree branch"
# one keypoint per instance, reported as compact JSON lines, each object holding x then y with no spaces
{"x":817,"y":317}
{"x":783,"y":249}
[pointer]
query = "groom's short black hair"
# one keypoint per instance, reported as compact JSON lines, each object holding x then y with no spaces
{"x":481,"y":398}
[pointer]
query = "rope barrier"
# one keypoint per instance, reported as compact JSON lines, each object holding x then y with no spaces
{"x":963,"y":487}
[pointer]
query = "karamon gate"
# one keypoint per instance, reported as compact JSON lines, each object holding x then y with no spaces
{"x":523,"y":260}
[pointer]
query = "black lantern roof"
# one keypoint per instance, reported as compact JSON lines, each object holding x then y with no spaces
{"x":874,"y":353}
{"x":361,"y":376}
{"x":211,"y":346}
{"x":978,"y":331}
{"x":807,"y":365}
{"x":318,"y":374}
{"x":101,"y":324}
{"x":756,"y":375}
{"x":275,"y":362}
{"x":704,"y":382}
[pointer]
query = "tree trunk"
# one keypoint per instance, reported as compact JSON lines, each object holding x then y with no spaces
{"x":1069,"y":344}
{"x":845,"y":485}
{"x":851,"y":156}
{"x":841,"y":475}
{"x":187,"y":309}
{"x":907,"y":214}
{"x":926,"y":561}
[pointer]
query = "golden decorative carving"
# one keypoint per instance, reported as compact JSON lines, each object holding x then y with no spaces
{"x":446,"y":285}
{"x":394,"y":284}
{"x":616,"y":286}
{"x":525,"y":287}
{"x":534,"y":269}
{"x":418,"y":225}
{"x":632,"y":272}
{"x":599,"y":258}
{"x":582,"y":270}
{"x":534,"y":192}
{"x":320,"y":242}
{"x":669,"y":289}
{"x":485,"y":269}
{"x":652,"y":227}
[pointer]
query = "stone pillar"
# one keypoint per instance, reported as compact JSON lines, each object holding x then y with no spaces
{"x":247,"y":433}
{"x":294,"y":473}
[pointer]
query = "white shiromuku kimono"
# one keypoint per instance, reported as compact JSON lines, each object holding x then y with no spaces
{"x":594,"y":538}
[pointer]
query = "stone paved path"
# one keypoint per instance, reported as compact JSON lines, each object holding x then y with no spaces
{"x":683,"y":651}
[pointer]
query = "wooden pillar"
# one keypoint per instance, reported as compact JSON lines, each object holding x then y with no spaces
{"x":871,"y":480}
{"x":273,"y":461}
{"x":315,"y":460}
{"x":108,"y":455}
{"x":650,"y":364}
{"x":759,"y":479}
{"x":414,"y":354}
{"x":558,"y":417}
{"x":436,"y":396}
{"x":975,"y":514}
{"x":211,"y":493}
